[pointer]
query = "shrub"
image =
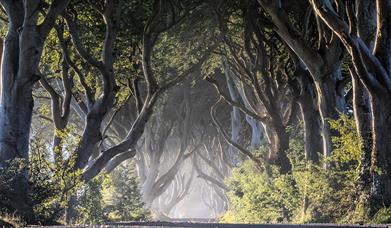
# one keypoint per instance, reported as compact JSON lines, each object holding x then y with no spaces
{"x":50,"y":184}
{"x":310,"y":193}
{"x":382,"y":216}
{"x":112,"y":197}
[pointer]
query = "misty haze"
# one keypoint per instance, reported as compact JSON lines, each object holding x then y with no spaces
{"x":195,"y":113}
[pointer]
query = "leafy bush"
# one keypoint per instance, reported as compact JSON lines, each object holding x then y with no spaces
{"x":50,"y":184}
{"x":7,"y":220}
{"x":382,"y":216}
{"x":324,"y":192}
{"x":255,"y":197}
{"x":112,"y":197}
{"x":90,"y":202}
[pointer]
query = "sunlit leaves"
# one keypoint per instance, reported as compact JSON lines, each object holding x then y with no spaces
{"x":311,"y":193}
{"x":112,"y":197}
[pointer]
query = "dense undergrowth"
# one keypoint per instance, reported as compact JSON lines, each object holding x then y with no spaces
{"x":111,"y":198}
{"x":326,"y":192}
{"x":311,"y":193}
{"x":107,"y":198}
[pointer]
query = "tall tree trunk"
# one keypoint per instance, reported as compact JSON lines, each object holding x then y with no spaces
{"x":256,"y":126}
{"x":16,"y":112}
{"x":312,"y":144}
{"x":381,"y":154}
{"x":70,"y":211}
{"x":374,"y":70}
{"x":256,"y":132}
{"x":310,"y":116}
{"x":363,"y":119}
{"x":235,"y":116}
{"x":91,"y":137}
{"x":278,"y":145}
{"x":324,"y":66}
{"x":381,"y":111}
{"x":279,"y":157}
{"x":329,"y":104}
{"x":366,"y":24}
{"x":16,"y":104}
{"x":21,"y":55}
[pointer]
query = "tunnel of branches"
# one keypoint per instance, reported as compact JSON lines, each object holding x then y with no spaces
{"x":185,"y":96}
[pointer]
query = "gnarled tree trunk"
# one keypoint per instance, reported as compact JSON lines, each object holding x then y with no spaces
{"x":21,"y":54}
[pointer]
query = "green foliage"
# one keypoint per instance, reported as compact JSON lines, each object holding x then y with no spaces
{"x":324,"y":192}
{"x":383,"y":216}
{"x":256,"y":197}
{"x":7,"y":220}
{"x":8,"y":175}
{"x":348,"y":144}
{"x":90,"y":203}
{"x":51,"y":183}
{"x":122,"y":196}
{"x":112,"y":197}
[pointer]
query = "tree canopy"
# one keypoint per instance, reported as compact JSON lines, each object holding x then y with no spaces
{"x":264,"y":111}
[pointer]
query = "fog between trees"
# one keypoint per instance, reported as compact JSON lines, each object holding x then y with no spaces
{"x":262,"y":111}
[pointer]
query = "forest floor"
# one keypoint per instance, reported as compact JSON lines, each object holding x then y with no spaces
{"x":218,"y":225}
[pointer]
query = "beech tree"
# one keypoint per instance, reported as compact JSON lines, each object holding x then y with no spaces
{"x":21,"y":55}
{"x":79,"y":59}
{"x":158,"y":164}
{"x":176,"y":193}
{"x":371,"y":66}
{"x":262,"y":80}
{"x":323,"y":60}
{"x":96,"y":108}
{"x":191,"y":90}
